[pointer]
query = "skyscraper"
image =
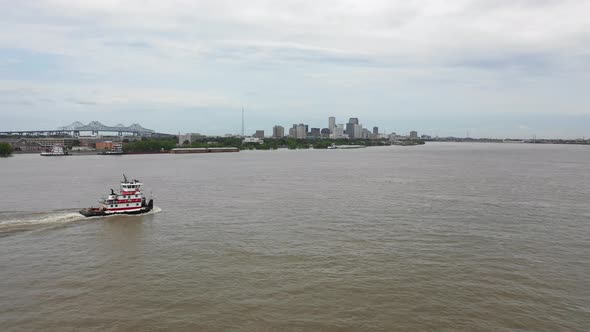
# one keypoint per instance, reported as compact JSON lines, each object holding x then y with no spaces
{"x":350,"y":130}
{"x":301,"y":131}
{"x":331,"y":124}
{"x":353,"y":120}
{"x":375,"y":130}
{"x":338,"y":132}
{"x":278,"y":132}
{"x":358,"y":131}
{"x":413,"y":134}
{"x":259,"y":134}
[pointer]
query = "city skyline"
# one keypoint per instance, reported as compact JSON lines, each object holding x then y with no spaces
{"x":490,"y":68}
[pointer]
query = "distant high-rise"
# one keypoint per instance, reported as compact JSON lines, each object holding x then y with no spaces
{"x":331,"y":124}
{"x":326,"y":132}
{"x":338,"y":132}
{"x":350,"y":130}
{"x":259,"y":134}
{"x":293,"y":132}
{"x":366,"y":133}
{"x":353,"y":120}
{"x":315,"y":132}
{"x":301,"y":131}
{"x":375,"y":130}
{"x":306,"y":129}
{"x":413,"y":134}
{"x":358,"y":131}
{"x":278,"y":132}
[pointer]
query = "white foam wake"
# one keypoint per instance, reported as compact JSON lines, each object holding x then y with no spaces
{"x":53,"y":218}
{"x":31,"y":220}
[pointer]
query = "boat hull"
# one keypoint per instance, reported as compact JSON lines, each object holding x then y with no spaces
{"x":94,"y":212}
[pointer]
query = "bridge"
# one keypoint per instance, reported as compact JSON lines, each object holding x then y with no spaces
{"x":94,"y":128}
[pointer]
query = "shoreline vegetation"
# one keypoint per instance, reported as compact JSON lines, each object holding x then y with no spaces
{"x":154,"y":145}
{"x":5,"y":149}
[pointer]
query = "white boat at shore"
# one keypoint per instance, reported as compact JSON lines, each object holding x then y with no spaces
{"x":56,"y":151}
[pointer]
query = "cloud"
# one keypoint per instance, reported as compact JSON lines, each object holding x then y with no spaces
{"x":299,"y":58}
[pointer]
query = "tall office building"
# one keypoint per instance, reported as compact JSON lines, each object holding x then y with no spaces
{"x":331,"y":124}
{"x":278,"y":131}
{"x":358,"y":131}
{"x":375,"y":130}
{"x":301,"y":131}
{"x":350,"y":130}
{"x":353,"y":120}
{"x":413,"y":134}
{"x":293,"y":132}
{"x":259,"y":134}
{"x":315,"y":132}
{"x":338,"y":132}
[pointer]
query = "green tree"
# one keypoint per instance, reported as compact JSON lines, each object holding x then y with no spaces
{"x":5,"y":150}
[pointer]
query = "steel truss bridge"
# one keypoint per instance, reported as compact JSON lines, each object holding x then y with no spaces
{"x":94,"y":128}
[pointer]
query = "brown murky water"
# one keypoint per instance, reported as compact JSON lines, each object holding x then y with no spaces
{"x":469,"y":237}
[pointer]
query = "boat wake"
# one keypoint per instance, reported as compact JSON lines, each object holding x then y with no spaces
{"x":15,"y":221}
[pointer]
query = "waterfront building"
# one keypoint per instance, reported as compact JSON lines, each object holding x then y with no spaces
{"x":353,"y":120}
{"x":38,"y":144}
{"x":293,"y":132}
{"x":325,"y":132}
{"x":375,"y":130}
{"x":278,"y":132}
{"x":189,"y":138}
{"x":331,"y":124}
{"x":413,"y":134}
{"x":366,"y":133}
{"x":259,"y":134}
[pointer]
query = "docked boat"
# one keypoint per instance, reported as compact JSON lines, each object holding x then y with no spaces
{"x":56,"y":151}
{"x":129,"y":200}
{"x":117,"y":150}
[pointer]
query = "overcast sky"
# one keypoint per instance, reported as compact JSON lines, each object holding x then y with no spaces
{"x":493,"y":68}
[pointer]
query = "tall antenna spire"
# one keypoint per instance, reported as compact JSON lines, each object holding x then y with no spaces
{"x":242,"y":121}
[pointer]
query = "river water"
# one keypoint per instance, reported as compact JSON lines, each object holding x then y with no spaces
{"x":467,"y":237}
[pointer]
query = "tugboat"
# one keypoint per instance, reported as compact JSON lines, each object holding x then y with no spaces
{"x":129,"y":200}
{"x":56,"y":150}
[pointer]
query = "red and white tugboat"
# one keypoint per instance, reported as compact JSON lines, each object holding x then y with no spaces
{"x":129,"y":200}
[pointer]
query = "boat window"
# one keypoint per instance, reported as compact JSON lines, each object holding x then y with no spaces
{"x":127,"y":204}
